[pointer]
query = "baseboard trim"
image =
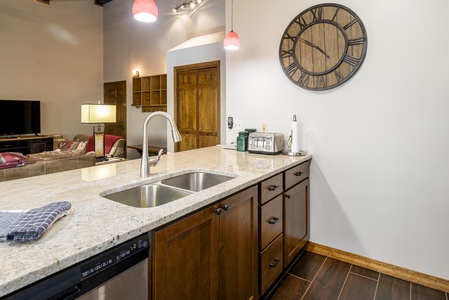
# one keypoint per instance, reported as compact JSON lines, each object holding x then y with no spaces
{"x":381,"y":267}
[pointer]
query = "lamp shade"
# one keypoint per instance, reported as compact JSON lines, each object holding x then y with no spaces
{"x":98,"y":113}
{"x":145,"y":10}
{"x":231,"y":41}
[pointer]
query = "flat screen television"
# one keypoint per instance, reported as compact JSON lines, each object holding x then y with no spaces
{"x":18,"y":117}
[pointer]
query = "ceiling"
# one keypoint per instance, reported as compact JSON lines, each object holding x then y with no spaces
{"x":97,"y":2}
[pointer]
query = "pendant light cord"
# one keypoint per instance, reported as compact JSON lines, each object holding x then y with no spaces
{"x":232,"y":15}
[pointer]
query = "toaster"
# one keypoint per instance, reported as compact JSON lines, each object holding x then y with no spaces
{"x":265,"y":143}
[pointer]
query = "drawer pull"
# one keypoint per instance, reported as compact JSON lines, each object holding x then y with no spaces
{"x":273,"y":220}
{"x":298,"y":174}
{"x":275,"y":263}
{"x":287,"y":196}
{"x":273,"y":187}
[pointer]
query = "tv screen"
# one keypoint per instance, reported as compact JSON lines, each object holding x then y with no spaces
{"x":19,"y":117}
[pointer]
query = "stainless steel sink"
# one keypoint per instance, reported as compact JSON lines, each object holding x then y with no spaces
{"x":149,"y":195}
{"x":167,"y":190}
{"x":196,"y":181}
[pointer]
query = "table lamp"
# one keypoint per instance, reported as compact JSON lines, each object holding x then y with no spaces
{"x":98,"y":114}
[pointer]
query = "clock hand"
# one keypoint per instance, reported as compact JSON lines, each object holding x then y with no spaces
{"x":314,"y":46}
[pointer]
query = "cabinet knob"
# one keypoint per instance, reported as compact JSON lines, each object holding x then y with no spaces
{"x":273,"y":187}
{"x":287,"y":196}
{"x":273,"y":220}
{"x":217,"y":211}
{"x":225,"y":207}
{"x":274,"y":263}
{"x":298,"y":174}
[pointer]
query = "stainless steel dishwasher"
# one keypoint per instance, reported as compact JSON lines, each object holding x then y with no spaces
{"x":118,"y":273}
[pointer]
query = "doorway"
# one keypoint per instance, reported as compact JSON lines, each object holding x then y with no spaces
{"x":115,"y":94}
{"x":197,"y":105}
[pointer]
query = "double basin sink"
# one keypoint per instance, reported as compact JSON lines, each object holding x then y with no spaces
{"x":167,"y":190}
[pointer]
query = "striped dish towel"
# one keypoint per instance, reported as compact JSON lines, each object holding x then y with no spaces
{"x":19,"y":226}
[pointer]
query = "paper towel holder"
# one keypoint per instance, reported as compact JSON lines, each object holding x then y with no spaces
{"x":288,"y":149}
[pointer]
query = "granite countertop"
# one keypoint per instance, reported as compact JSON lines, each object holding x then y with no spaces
{"x":95,"y":224}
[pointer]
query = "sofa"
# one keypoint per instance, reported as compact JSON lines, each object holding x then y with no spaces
{"x":69,"y":155}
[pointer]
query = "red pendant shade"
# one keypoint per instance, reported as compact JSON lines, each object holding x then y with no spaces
{"x":145,"y":10}
{"x":231,"y":41}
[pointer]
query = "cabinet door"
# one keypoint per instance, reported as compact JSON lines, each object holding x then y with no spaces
{"x":185,"y":257}
{"x":238,"y":246}
{"x":296,"y":220}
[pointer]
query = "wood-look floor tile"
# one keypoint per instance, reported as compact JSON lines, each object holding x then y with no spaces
{"x":358,"y":287}
{"x":329,"y":280}
{"x":420,"y":292}
{"x":365,"y":272}
{"x":291,"y":288}
{"x":391,"y":288}
{"x":308,"y":265}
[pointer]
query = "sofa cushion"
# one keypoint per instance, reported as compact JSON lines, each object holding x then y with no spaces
{"x":12,"y":160}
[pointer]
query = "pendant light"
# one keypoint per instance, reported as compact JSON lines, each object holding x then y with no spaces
{"x":145,"y":10}
{"x":232,"y":40}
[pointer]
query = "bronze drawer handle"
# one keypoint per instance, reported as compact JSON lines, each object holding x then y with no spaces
{"x":273,"y":187}
{"x":275,"y":263}
{"x":298,"y":174}
{"x":273,"y":220}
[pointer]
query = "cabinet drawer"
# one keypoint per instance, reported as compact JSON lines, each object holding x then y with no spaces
{"x":270,"y":221}
{"x":296,"y":174}
{"x":271,"y":264}
{"x":270,"y":188}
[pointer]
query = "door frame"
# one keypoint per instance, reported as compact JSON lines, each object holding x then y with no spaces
{"x":197,"y":66}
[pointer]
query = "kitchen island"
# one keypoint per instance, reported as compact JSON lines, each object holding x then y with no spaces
{"x":96,"y":224}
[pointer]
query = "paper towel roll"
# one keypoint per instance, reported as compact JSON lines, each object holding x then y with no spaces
{"x":295,"y":135}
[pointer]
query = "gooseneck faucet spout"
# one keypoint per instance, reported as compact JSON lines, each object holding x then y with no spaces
{"x":146,"y":162}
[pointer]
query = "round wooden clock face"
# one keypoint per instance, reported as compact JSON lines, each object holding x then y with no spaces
{"x":323,"y":47}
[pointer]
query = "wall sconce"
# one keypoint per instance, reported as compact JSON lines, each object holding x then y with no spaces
{"x":185,"y":5}
{"x":98,"y":114}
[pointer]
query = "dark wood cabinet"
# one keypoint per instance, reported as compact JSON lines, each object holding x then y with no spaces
{"x":283,"y":223}
{"x":27,"y":145}
{"x":296,"y":220}
{"x":211,"y":254}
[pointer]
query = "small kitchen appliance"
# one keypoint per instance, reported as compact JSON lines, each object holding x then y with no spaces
{"x":266,"y":143}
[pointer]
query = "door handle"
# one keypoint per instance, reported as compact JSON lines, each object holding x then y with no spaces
{"x":273,"y":220}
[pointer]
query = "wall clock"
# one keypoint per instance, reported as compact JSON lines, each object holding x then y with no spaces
{"x":323,"y":47}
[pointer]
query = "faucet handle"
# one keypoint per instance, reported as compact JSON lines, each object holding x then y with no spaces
{"x":153,"y":161}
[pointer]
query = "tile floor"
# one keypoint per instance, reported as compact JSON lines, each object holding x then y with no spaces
{"x":318,"y":277}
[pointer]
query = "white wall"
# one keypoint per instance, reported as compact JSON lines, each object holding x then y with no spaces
{"x":212,"y":51}
{"x":380,"y":170}
{"x":52,"y":53}
{"x":131,"y":45}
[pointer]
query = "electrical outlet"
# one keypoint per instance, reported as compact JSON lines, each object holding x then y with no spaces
{"x":264,"y":127}
{"x":238,"y":125}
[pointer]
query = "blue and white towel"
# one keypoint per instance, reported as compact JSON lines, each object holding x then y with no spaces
{"x":19,"y":226}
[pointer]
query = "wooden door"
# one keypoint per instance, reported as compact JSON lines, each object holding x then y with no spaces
{"x":197,"y":105}
{"x":296,"y":228}
{"x":115,"y":93}
{"x":237,"y":262}
{"x":185,"y":257}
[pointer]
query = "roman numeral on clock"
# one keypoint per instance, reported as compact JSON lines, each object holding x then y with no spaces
{"x":357,"y":41}
{"x":351,"y":60}
{"x":287,"y":53}
{"x":291,"y":69}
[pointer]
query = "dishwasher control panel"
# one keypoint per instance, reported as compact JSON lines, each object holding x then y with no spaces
{"x":115,"y":255}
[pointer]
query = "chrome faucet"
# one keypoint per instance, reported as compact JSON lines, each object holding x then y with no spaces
{"x":146,"y":162}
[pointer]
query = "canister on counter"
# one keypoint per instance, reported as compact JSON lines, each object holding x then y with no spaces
{"x":242,"y":141}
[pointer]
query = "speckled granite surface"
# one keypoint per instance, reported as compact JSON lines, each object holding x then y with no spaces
{"x":95,"y":224}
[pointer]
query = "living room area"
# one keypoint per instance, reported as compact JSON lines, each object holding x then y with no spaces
{"x":62,"y":54}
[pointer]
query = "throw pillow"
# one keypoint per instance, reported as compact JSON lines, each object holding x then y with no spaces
{"x":12,"y":159}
